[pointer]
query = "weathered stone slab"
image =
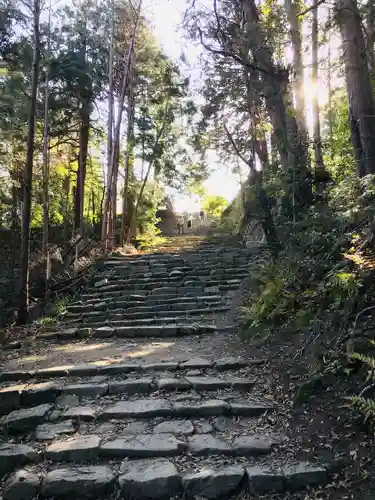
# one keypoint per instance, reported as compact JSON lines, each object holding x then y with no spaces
{"x":25,"y":419}
{"x":100,"y":283}
{"x":15,"y":455}
{"x":251,"y":445}
{"x":119,"y":369}
{"x":249,"y":409}
{"x":149,"y":479}
{"x":193,"y":373}
{"x":213,"y":484}
{"x":15,"y":375}
{"x":172,"y":384}
{"x":78,"y":482}
{"x":197,"y":363}
{"x":10,"y":398}
{"x":137,"y":427}
{"x":83,"y":370}
{"x":67,"y":401}
{"x":206,"y":444}
{"x":47,"y":432}
{"x":141,"y":408}
{"x":22,"y":485}
{"x":207,"y":383}
{"x":86,"y":390}
{"x":298,"y":476}
{"x":85,"y":413}
{"x":137,"y":386}
{"x":182,"y":427}
{"x":104,"y":332}
{"x":203,"y":427}
{"x":53,"y":371}
{"x":37,"y":394}
{"x":212,"y":407}
{"x":265,"y":479}
{"x":166,"y":365}
{"x":144,"y":446}
{"x":80,"y":449}
{"x":164,"y":289}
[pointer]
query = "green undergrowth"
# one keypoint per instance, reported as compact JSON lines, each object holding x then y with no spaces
{"x":321,"y":281}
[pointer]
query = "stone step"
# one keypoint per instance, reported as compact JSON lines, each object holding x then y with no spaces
{"x":161,"y":318}
{"x":169,"y":292}
{"x":160,"y":296}
{"x":91,"y":369}
{"x":160,"y":286}
{"x":189,"y":406}
{"x":83,"y":330}
{"x":157,"y":479}
{"x":153,"y":408}
{"x":167,"y":331}
{"x":208,"y":268}
{"x":132,"y":300}
{"x":152,"y":312}
{"x":104,"y":278}
{"x":89,"y":447}
{"x":142,"y":306}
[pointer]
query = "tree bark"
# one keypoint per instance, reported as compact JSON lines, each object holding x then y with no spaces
{"x":361,"y":102}
{"x":28,"y":176}
{"x":116,"y":144}
{"x":370,"y":25}
{"x":84,"y":132}
{"x":128,"y":162}
{"x":291,"y":146}
{"x":318,"y":154}
{"x":110,"y":114}
{"x":292,"y":9}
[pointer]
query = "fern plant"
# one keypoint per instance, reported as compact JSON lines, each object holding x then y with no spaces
{"x":366,"y":406}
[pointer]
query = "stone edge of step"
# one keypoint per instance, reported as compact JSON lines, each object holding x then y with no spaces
{"x":221,"y":364}
{"x":161,"y":479}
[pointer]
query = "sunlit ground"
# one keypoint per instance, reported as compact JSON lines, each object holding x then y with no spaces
{"x":99,"y":353}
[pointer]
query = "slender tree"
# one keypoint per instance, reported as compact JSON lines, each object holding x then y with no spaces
{"x":361,"y":102}
{"x":318,"y":154}
{"x":28,"y":173}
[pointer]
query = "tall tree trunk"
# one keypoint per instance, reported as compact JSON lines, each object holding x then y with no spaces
{"x":46,"y":160}
{"x":329,"y":84}
{"x":370,"y":39}
{"x":361,"y":102}
{"x":319,"y":164}
{"x":116,"y":142}
{"x":292,"y":149}
{"x":106,"y":222}
{"x":292,"y":9}
{"x":84,"y":132}
{"x":128,"y":162}
{"x":28,"y":176}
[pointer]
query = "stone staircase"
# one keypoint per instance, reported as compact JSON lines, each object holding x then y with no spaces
{"x":193,"y":428}
{"x":163,"y":294}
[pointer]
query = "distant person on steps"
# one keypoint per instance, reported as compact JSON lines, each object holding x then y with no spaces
{"x":180,"y":225}
{"x":201,"y":218}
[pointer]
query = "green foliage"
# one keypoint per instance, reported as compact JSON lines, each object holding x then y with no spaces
{"x":58,"y":307}
{"x":366,"y":406}
{"x":215,"y":205}
{"x":338,"y":158}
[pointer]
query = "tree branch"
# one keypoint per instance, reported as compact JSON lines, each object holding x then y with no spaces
{"x":226,"y":53}
{"x":249,"y":163}
{"x":309,"y":9}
